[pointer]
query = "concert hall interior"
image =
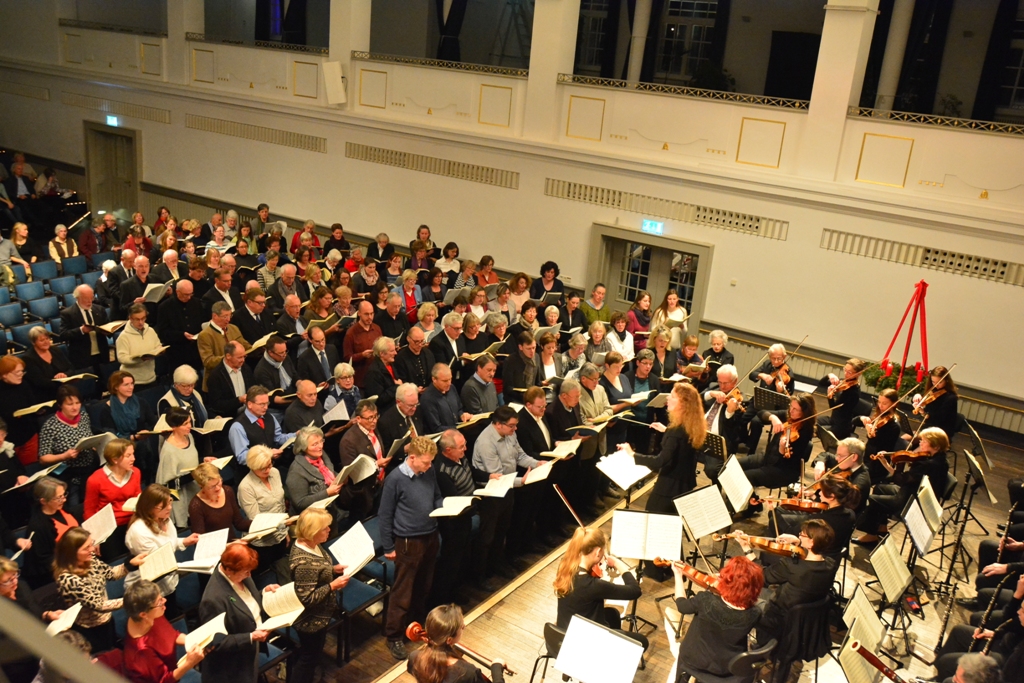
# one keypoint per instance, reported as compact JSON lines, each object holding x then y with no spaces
{"x":437,"y":340}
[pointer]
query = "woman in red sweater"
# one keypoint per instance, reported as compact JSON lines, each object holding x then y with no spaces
{"x":113,"y":484}
{"x":150,"y":643}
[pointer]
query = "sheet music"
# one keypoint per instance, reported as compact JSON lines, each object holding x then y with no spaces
{"x":203,"y":635}
{"x":856,"y":668}
{"x":452,"y":506}
{"x":65,"y":620}
{"x":645,"y":535}
{"x":596,"y":654}
{"x":16,"y":555}
{"x":538,"y":473}
{"x":563,"y":449}
{"x":359,"y":469}
{"x":159,"y":562}
{"x":860,"y":609}
{"x":210,"y":547}
{"x":622,"y":469}
{"x":354,"y":549}
{"x":735,"y":485}
{"x":283,"y":606}
{"x":323,"y":502}
{"x":38,"y":475}
{"x":102,"y":524}
{"x":497,"y":488}
{"x":890,"y":569}
{"x":930,"y":505}
{"x":921,"y":533}
{"x":703,"y":510}
{"x":338,"y":413}
{"x":264,"y":524}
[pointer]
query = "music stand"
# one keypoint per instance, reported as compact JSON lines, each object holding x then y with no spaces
{"x":960,"y":517}
{"x":714,"y":446}
{"x":766,"y":399}
{"x":977,"y":446}
{"x":594,"y":653}
{"x":828,"y":440}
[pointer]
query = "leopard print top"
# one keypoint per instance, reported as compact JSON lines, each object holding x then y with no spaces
{"x":91,"y":590}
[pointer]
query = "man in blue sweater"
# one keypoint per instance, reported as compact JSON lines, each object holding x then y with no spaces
{"x":409,"y":536}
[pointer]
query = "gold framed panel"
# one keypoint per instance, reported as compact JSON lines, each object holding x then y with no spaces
{"x":316,"y":81}
{"x":213,"y":56}
{"x":568,"y":118}
{"x":142,"y":58}
{"x":66,"y":50}
{"x":480,"y":108}
{"x":739,"y":142}
{"x":860,"y":159}
{"x":373,"y":71}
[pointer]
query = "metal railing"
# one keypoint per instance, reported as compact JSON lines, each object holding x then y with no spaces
{"x":266,"y":44}
{"x":441,"y":64}
{"x":685,"y":91}
{"x":943,"y":121}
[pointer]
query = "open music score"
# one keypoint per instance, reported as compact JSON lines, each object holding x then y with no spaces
{"x":735,"y":485}
{"x":703,"y":510}
{"x":595,"y":653}
{"x":859,"y":608}
{"x":921,"y":532}
{"x":646,"y":535}
{"x":856,"y":668}
{"x":891,"y":570}
{"x":930,"y":505}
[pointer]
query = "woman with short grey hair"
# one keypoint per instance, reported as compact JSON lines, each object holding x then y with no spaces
{"x":311,"y":477}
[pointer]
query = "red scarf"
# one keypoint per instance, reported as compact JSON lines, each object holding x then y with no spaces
{"x":318,"y":463}
{"x":69,"y":421}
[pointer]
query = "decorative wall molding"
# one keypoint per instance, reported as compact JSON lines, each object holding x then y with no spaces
{"x":268,"y":44}
{"x":138,"y":111}
{"x":33,"y":91}
{"x":758,"y":226}
{"x":444,"y":167}
{"x":274,"y":136}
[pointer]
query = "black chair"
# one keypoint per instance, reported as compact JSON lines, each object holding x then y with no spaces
{"x":553,"y":637}
{"x":743,"y":668}
{"x":806,"y":637}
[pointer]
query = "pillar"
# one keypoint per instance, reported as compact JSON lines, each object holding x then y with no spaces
{"x":552,"y":51}
{"x":350,"y":30}
{"x":637,"y":44}
{"x":838,"y":78}
{"x":183,"y":16}
{"x":895,"y":48}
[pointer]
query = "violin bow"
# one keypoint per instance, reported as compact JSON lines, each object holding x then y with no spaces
{"x":941,"y":379}
{"x":571,"y":510}
{"x":696,"y":543}
{"x":800,"y":345}
{"x":755,"y":366}
{"x":893,"y":406}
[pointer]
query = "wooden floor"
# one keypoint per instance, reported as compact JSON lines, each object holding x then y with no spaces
{"x":509,"y":624}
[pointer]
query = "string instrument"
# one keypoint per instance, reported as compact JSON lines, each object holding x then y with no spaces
{"x":874,"y":661}
{"x":928,"y":398}
{"x":415,"y":632}
{"x":834,"y":471}
{"x":791,"y":429}
{"x":798,"y":504}
{"x":879,"y":422}
{"x":901,"y":457}
{"x":768,"y":545}
{"x":781,"y":374}
{"x":848,"y":383}
{"x":706,"y":581}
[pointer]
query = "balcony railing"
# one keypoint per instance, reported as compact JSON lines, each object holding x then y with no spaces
{"x":684,"y":91}
{"x":442,"y":64}
{"x":944,"y":121}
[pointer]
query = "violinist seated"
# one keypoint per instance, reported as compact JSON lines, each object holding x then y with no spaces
{"x":1005,"y":647}
{"x":939,"y":403}
{"x":843,"y":395}
{"x":840,"y":499}
{"x":718,"y":353}
{"x":439,"y":660}
{"x":847,"y":463}
{"x":799,"y":580}
{"x":723,"y":411}
{"x":581,"y":588}
{"x":927,"y":459}
{"x":722,"y":618}
{"x":773,"y":375}
{"x":883,"y":432}
{"x":685,"y":357}
{"x":790,"y":444}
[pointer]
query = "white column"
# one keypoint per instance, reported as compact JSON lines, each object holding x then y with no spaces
{"x":895,"y":48}
{"x":838,"y":77}
{"x":350,"y":30}
{"x":641,"y":23}
{"x":183,"y":16}
{"x":552,"y":51}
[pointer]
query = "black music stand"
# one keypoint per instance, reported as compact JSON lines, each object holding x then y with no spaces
{"x":766,"y":399}
{"x":977,"y":446}
{"x":714,"y":447}
{"x":960,"y":517}
{"x":828,"y":440}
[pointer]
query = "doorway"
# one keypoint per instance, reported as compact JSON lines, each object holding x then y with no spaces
{"x":630,"y":262}
{"x":112,"y":171}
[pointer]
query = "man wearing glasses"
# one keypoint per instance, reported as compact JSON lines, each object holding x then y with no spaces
{"x":256,"y":427}
{"x":414,"y":362}
{"x":364,"y":438}
{"x":401,"y":418}
{"x":252,"y":320}
{"x":450,"y":345}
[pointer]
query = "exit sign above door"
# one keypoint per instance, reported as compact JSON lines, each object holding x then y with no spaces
{"x":653,"y":227}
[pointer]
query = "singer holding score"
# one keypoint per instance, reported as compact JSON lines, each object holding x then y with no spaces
{"x":581,"y":588}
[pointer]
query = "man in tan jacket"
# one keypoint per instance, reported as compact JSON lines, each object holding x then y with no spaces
{"x":219,"y":332}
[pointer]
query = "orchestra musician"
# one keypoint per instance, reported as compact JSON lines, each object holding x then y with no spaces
{"x":842,"y":499}
{"x":723,"y":415}
{"x":890,"y":497}
{"x":769,"y":376}
{"x":439,"y":661}
{"x":939,"y":403}
{"x":580,"y":592}
{"x":843,"y":395}
{"x":848,"y":463}
{"x":799,"y":581}
{"x":722,"y":620}
{"x":883,"y":432}
{"x":780,"y":463}
{"x":961,"y":636}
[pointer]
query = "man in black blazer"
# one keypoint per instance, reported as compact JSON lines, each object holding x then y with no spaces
{"x":562,"y":413}
{"x":414,"y":361}
{"x":117,"y":276}
{"x":223,"y":397}
{"x":534,"y":437}
{"x":276,"y":370}
{"x":252,"y":319}
{"x":363,"y":438}
{"x":440,"y":405}
{"x":399,"y":419}
{"x":520,"y":371}
{"x":286,"y":285}
{"x":222,"y":291}
{"x":449,"y":345}
{"x":134,"y":287}
{"x":290,"y":322}
{"x":170,"y":268}
{"x":86,"y":349}
{"x":318,"y":361}
{"x":381,"y":379}
{"x":180,"y":319}
{"x":391,"y":321}
{"x":726,"y":417}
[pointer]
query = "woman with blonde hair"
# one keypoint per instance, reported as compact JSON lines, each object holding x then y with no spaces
{"x":683,"y":438}
{"x":439,"y":661}
{"x":114,"y":484}
{"x":580,"y":592}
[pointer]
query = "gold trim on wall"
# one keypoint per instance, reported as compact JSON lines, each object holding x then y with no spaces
{"x":316,"y":83}
{"x":142,"y":58}
{"x":479,"y":107}
{"x":860,"y":157}
{"x":66,"y":36}
{"x":194,"y":51}
{"x":739,"y":143}
{"x":374,"y":71}
{"x":568,"y":118}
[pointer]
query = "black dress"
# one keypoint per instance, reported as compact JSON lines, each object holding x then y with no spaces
{"x":14,"y":397}
{"x":588,"y":595}
{"x":676,"y":466}
{"x":39,"y":374}
{"x":800,"y":582}
{"x":942,"y":413}
{"x":717,"y":633}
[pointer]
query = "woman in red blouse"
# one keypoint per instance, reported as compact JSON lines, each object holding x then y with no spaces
{"x":113,"y":484}
{"x":150,"y":642}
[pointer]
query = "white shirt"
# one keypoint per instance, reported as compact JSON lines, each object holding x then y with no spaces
{"x":227,"y":297}
{"x":543,"y":428}
{"x":236,"y":380}
{"x":248,"y":599}
{"x":141,"y":539}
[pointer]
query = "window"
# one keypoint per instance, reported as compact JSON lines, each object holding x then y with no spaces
{"x":685,"y":8}
{"x":590,"y":36}
{"x":1012,"y":90}
{"x":688,"y":29}
{"x":636,"y":266}
{"x":683,"y":276}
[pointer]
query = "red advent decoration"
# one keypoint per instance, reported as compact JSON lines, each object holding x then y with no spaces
{"x":888,"y":368}
{"x":920,"y":373}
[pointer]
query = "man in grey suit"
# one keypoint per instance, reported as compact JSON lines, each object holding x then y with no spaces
{"x":276,"y":370}
{"x":478,"y":394}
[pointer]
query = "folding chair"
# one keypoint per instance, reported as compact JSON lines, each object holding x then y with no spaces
{"x":63,"y":285}
{"x":44,"y":270}
{"x":76,"y":265}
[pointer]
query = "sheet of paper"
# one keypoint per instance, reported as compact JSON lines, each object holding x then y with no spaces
{"x":283,"y":606}
{"x":97,"y":442}
{"x":645,"y":535}
{"x":212,"y":544}
{"x":354,"y":549}
{"x":212,"y":426}
{"x":32,"y":410}
{"x":859,"y":608}
{"x":703,"y":510}
{"x":64,"y":621}
{"x":890,"y":569}
{"x":129,"y":505}
{"x":659,"y":401}
{"x":159,"y":562}
{"x":735,"y":485}
{"x":155,"y":292}
{"x":930,"y":505}
{"x":323,"y":502}
{"x":622,"y":469}
{"x":596,"y":654}
{"x":339,"y":413}
{"x":855,"y":667}
{"x":203,"y":636}
{"x":16,"y":555}
{"x":264,"y":524}
{"x":563,"y":449}
{"x":452,"y":506}
{"x":538,"y":473}
{"x":921,"y":534}
{"x":102,"y":524}
{"x":38,"y":475}
{"x":497,"y":488}
{"x":362,"y":467}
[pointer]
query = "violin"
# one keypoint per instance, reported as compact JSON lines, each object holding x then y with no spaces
{"x":768,"y":545}
{"x":879,"y":422}
{"x":791,"y":432}
{"x":798,"y":504}
{"x":706,"y":581}
{"x":901,"y":457}
{"x":837,"y":389}
{"x":781,"y":374}
{"x":415,"y":632}
{"x":928,"y":398}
